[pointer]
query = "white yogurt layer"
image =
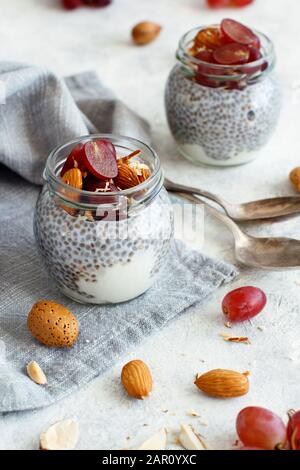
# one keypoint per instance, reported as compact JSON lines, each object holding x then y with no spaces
{"x":196,"y":153}
{"x":120,"y":282}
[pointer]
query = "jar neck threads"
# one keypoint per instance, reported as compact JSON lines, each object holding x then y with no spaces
{"x":141,"y":194}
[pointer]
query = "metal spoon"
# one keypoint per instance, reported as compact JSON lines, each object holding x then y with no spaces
{"x":272,"y":253}
{"x":261,"y":209}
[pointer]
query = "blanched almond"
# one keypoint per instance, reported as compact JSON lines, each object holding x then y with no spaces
{"x":35,"y":373}
{"x":156,"y":442}
{"x":60,"y":436}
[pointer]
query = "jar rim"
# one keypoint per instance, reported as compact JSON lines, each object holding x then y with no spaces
{"x":51,"y":176}
{"x":185,"y":57}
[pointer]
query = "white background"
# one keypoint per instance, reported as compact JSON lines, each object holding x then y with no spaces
{"x":40,"y":32}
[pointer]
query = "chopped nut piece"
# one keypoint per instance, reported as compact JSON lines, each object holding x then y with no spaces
{"x":190,"y":440}
{"x":238,"y":339}
{"x":156,"y":442}
{"x":235,"y":339}
{"x":193,"y":413}
{"x":261,"y":328}
{"x":60,"y":436}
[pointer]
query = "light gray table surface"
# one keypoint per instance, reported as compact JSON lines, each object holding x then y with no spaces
{"x":39,"y":32}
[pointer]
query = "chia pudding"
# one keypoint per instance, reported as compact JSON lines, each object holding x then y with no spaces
{"x":219,"y":114}
{"x":104,"y":246}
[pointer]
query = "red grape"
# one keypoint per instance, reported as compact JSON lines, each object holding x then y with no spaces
{"x":232,"y":54}
{"x":218,"y":3}
{"x":293,"y":430}
{"x":74,"y":160}
{"x":228,"y":3}
{"x":255,"y":54}
{"x":100,"y":159}
{"x":71,"y":4}
{"x":243,"y":303}
{"x":233,"y":31}
{"x":205,"y":81}
{"x":93,"y":184}
{"x":97,"y":3}
{"x":241,"y":3}
{"x":206,"y":55}
{"x":259,"y":427}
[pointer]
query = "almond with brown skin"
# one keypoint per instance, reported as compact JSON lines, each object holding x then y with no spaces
{"x":131,"y":173}
{"x":145,"y":32}
{"x":136,"y":379}
{"x":72,"y":178}
{"x":295,"y":178}
{"x":127,"y":177}
{"x":223,"y":383}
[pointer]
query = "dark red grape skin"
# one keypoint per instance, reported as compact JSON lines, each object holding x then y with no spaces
{"x":228,"y":3}
{"x":97,"y":3}
{"x":241,"y":3}
{"x":75,"y":159}
{"x":232,"y":54}
{"x":100,"y":159}
{"x":71,"y":4}
{"x":236,"y":32}
{"x":243,"y":303}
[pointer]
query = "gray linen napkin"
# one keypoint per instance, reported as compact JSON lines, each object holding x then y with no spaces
{"x":40,"y":113}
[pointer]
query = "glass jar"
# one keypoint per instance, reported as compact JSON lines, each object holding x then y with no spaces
{"x":222,"y":115}
{"x":105,"y":247}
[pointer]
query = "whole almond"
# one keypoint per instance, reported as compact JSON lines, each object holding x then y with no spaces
{"x":131,"y":173}
{"x":52,"y":324}
{"x":295,"y":178}
{"x":145,"y":32}
{"x":223,"y":383}
{"x":73,"y":178}
{"x":127,"y":177}
{"x":35,"y":373}
{"x":136,"y":379}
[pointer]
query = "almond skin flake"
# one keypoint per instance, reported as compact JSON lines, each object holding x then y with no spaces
{"x":238,"y":339}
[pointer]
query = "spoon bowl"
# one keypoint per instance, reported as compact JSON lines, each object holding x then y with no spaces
{"x":261,"y":209}
{"x":269,"y":253}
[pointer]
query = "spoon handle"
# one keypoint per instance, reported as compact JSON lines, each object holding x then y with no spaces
{"x":234,"y":228}
{"x":171,"y":186}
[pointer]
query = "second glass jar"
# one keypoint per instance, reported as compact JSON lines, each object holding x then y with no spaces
{"x":222,"y":115}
